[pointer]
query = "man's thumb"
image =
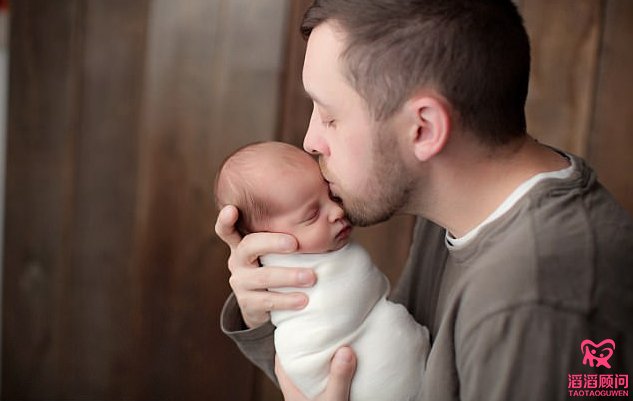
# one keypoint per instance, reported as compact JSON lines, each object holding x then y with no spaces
{"x":341,"y":373}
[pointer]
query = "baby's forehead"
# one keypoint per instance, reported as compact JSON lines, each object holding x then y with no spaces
{"x":285,"y":161}
{"x":289,"y":183}
{"x":266,"y":168}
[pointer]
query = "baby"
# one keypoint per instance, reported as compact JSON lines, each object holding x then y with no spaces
{"x":279,"y":188}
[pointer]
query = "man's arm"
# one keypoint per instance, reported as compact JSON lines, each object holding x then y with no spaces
{"x":256,"y":344}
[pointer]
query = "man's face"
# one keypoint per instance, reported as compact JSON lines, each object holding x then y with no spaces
{"x":359,"y":157}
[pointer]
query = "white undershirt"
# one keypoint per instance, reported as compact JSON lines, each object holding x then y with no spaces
{"x":518,"y":193}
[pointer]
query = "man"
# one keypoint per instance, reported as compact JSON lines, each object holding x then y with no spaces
{"x":519,"y":254}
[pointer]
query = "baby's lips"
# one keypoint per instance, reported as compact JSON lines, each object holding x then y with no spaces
{"x":345,"y":231}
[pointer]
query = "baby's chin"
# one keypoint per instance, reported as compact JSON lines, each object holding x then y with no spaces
{"x":335,"y":245}
{"x":340,"y":244}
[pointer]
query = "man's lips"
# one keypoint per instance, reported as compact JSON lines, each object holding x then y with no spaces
{"x":333,"y":194}
{"x":330,"y":184}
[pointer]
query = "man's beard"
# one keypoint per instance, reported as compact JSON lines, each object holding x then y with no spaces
{"x":387,"y":189}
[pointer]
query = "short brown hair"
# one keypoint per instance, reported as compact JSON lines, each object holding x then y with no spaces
{"x":475,"y":52}
{"x":233,"y":186}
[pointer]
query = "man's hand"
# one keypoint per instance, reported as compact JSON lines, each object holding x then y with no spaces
{"x":342,"y":371}
{"x":250,"y":284}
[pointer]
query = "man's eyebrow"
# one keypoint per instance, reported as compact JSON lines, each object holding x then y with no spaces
{"x":314,"y":98}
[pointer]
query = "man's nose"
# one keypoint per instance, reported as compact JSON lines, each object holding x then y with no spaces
{"x":314,"y":142}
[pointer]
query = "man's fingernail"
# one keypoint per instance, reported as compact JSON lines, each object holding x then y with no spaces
{"x":343,"y":355}
{"x":288,"y":243}
{"x":301,"y":301}
{"x":305,"y":278}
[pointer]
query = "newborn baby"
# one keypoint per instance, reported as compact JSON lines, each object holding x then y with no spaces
{"x":279,"y":188}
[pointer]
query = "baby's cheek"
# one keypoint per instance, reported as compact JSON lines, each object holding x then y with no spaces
{"x":316,"y":240}
{"x":326,"y":240}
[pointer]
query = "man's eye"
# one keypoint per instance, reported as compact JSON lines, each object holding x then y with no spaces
{"x":329,"y":123}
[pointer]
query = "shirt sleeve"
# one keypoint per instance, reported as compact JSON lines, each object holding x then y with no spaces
{"x":256,"y":344}
{"x":522,"y":353}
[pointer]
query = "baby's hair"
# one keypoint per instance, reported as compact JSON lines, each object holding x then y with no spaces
{"x":235,"y":183}
{"x":233,"y":186}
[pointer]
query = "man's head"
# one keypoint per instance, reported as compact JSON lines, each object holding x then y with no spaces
{"x":279,"y":188}
{"x":392,"y":80}
{"x":475,"y":53}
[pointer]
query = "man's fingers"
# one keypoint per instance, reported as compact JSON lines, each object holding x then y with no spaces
{"x":251,"y":290}
{"x":257,"y":244}
{"x":271,"y":278}
{"x":257,"y":304}
{"x":225,"y":226}
{"x":342,"y":371}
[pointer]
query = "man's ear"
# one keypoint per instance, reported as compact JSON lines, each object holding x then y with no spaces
{"x":432,"y":125}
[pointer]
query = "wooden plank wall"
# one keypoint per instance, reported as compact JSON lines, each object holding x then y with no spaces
{"x":71,"y":183}
{"x":610,"y":144}
{"x":120,"y":113}
{"x":581,"y":88}
{"x":119,"y":117}
{"x":211,"y":85}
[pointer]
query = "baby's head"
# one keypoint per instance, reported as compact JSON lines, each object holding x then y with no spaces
{"x":279,"y":188}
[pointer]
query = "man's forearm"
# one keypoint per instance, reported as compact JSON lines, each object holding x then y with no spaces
{"x":256,"y":344}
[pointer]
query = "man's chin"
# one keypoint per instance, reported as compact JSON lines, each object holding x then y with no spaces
{"x":362,"y":218}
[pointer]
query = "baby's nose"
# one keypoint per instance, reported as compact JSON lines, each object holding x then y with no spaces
{"x":336,"y":213}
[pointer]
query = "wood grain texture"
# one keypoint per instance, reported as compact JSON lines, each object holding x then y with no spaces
{"x":564,"y":37}
{"x":72,"y":141}
{"x":212,"y":83}
{"x":99,"y":288}
{"x":41,"y":136}
{"x":295,"y":106}
{"x":611,"y":142}
{"x":121,"y":112}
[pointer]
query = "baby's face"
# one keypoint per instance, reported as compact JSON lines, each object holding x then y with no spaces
{"x":304,"y":209}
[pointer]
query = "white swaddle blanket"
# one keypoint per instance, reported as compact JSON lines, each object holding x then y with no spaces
{"x":348,"y":306}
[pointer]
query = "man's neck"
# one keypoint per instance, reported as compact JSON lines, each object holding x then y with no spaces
{"x":464,"y":187}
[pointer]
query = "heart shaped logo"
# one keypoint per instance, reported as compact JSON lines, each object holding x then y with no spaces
{"x":597,"y":353}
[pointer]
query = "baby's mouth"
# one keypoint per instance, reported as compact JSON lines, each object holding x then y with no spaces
{"x":345,"y":232}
